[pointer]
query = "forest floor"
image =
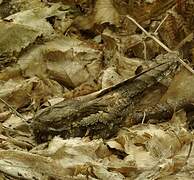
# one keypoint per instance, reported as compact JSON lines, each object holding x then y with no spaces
{"x":96,"y":89}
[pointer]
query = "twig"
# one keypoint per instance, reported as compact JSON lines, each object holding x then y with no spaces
{"x":163,"y":20}
{"x":144,"y":116}
{"x":156,"y":31}
{"x":13,"y":110}
{"x":190,"y":150}
{"x":148,"y":34}
{"x":161,"y":44}
{"x":144,"y":50}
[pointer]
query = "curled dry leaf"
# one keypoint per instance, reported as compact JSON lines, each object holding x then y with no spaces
{"x":103,"y":12}
{"x":80,"y":155}
{"x":20,"y":93}
{"x":103,"y":174}
{"x":16,"y":92}
{"x":110,"y":77}
{"x":21,"y":164}
{"x":156,"y":152}
{"x":56,"y":59}
{"x":180,"y":89}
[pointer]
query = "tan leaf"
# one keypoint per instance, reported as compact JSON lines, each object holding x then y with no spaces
{"x":12,"y":41}
{"x":105,"y":12}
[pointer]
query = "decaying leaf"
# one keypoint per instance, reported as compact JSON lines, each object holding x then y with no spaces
{"x":56,"y":58}
{"x":105,"y":12}
{"x":37,"y":18}
{"x":12,"y":41}
{"x":55,"y":54}
{"x":153,"y":147}
{"x":21,"y":93}
{"x":180,"y":88}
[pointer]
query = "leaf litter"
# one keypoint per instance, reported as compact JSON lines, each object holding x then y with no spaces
{"x":54,"y":51}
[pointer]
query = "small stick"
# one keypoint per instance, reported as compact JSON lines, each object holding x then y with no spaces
{"x":156,"y":31}
{"x":145,"y":50}
{"x":190,"y":150}
{"x":13,"y":110}
{"x":161,"y":44}
{"x":144,"y":116}
{"x":167,"y":15}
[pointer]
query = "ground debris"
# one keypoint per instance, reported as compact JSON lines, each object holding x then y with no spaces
{"x":102,"y":116}
{"x":96,"y":89}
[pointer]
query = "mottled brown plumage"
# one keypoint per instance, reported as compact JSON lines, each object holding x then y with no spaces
{"x":103,"y":115}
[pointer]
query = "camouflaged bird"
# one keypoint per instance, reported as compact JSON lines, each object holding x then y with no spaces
{"x":103,"y":115}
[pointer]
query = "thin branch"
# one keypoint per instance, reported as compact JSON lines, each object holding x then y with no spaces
{"x":13,"y":110}
{"x":161,"y":44}
{"x":163,"y":20}
{"x":156,"y":31}
{"x":144,"y":116}
{"x":190,"y":150}
{"x":144,"y":50}
{"x":149,"y":35}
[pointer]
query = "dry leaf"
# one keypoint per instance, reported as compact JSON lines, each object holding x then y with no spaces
{"x":12,"y":40}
